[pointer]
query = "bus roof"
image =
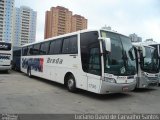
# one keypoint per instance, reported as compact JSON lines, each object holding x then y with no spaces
{"x":153,"y":44}
{"x":150,"y":43}
{"x":139,"y":44}
{"x":69,"y":34}
{"x":4,"y":42}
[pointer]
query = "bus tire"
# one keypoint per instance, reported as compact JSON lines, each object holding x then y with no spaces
{"x":71,"y":84}
{"x":15,"y":68}
{"x":29,"y":73}
{"x":7,"y":71}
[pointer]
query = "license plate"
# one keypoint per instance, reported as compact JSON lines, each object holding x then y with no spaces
{"x":125,"y":89}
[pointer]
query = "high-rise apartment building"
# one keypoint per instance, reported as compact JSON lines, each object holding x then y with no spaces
{"x":6,"y":19}
{"x":59,"y":21}
{"x":78,"y":23}
{"x":24,"y":26}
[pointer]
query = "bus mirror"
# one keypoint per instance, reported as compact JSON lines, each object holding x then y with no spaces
{"x":144,"y":52}
{"x":107,"y":44}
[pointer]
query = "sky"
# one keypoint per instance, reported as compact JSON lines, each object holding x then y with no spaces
{"x":124,"y":16}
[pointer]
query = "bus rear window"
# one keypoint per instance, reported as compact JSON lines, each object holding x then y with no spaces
{"x":5,"y":46}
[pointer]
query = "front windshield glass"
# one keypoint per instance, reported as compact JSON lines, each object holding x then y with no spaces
{"x":150,"y":62}
{"x":5,"y":46}
{"x":120,"y":61}
{"x":129,"y":55}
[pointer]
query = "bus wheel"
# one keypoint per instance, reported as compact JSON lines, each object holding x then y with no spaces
{"x":29,"y":73}
{"x":71,"y":84}
{"x":15,"y":68}
{"x":7,"y":71}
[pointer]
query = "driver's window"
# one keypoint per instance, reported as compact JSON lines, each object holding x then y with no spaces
{"x":94,"y":61}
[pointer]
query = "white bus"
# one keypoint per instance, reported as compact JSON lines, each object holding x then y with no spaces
{"x":157,"y":47}
{"x":5,"y":56}
{"x":147,"y":66}
{"x":94,"y":60}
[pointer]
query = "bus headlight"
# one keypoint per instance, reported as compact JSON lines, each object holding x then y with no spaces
{"x":110,"y":80}
{"x":144,"y":75}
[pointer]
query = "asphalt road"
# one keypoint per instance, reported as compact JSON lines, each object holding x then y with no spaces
{"x":23,"y":95}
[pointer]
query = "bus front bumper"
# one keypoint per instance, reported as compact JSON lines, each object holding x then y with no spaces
{"x":116,"y":87}
{"x":6,"y":67}
{"x":143,"y":82}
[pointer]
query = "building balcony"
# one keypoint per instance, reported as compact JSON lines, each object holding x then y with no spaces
{"x":62,"y":12}
{"x":61,"y":24}
{"x":24,"y":36}
{"x":2,"y":8}
{"x":23,"y":39}
{"x":1,"y":24}
{"x":26,"y":12}
{"x":61,"y":18}
{"x":25,"y":17}
{"x":60,"y":15}
{"x":25,"y":24}
{"x":25,"y":20}
{"x":1,"y":13}
{"x":2,"y":4}
{"x":25,"y":30}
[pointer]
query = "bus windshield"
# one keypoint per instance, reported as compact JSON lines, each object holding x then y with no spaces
{"x":150,"y":62}
{"x":5,"y":46}
{"x":121,"y":60}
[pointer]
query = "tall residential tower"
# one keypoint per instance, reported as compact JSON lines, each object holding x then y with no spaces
{"x":24,"y":26}
{"x":78,"y":23}
{"x":6,"y":19}
{"x":59,"y":20}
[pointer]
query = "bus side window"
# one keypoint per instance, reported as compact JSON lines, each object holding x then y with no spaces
{"x":51,"y":48}
{"x":35,"y":49}
{"x":30,"y":50}
{"x":73,"y":47}
{"x":58,"y":46}
{"x":70,"y":45}
{"x":90,"y":53}
{"x":44,"y":48}
{"x":24,"y":51}
{"x":66,"y":44}
{"x":55,"y":46}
